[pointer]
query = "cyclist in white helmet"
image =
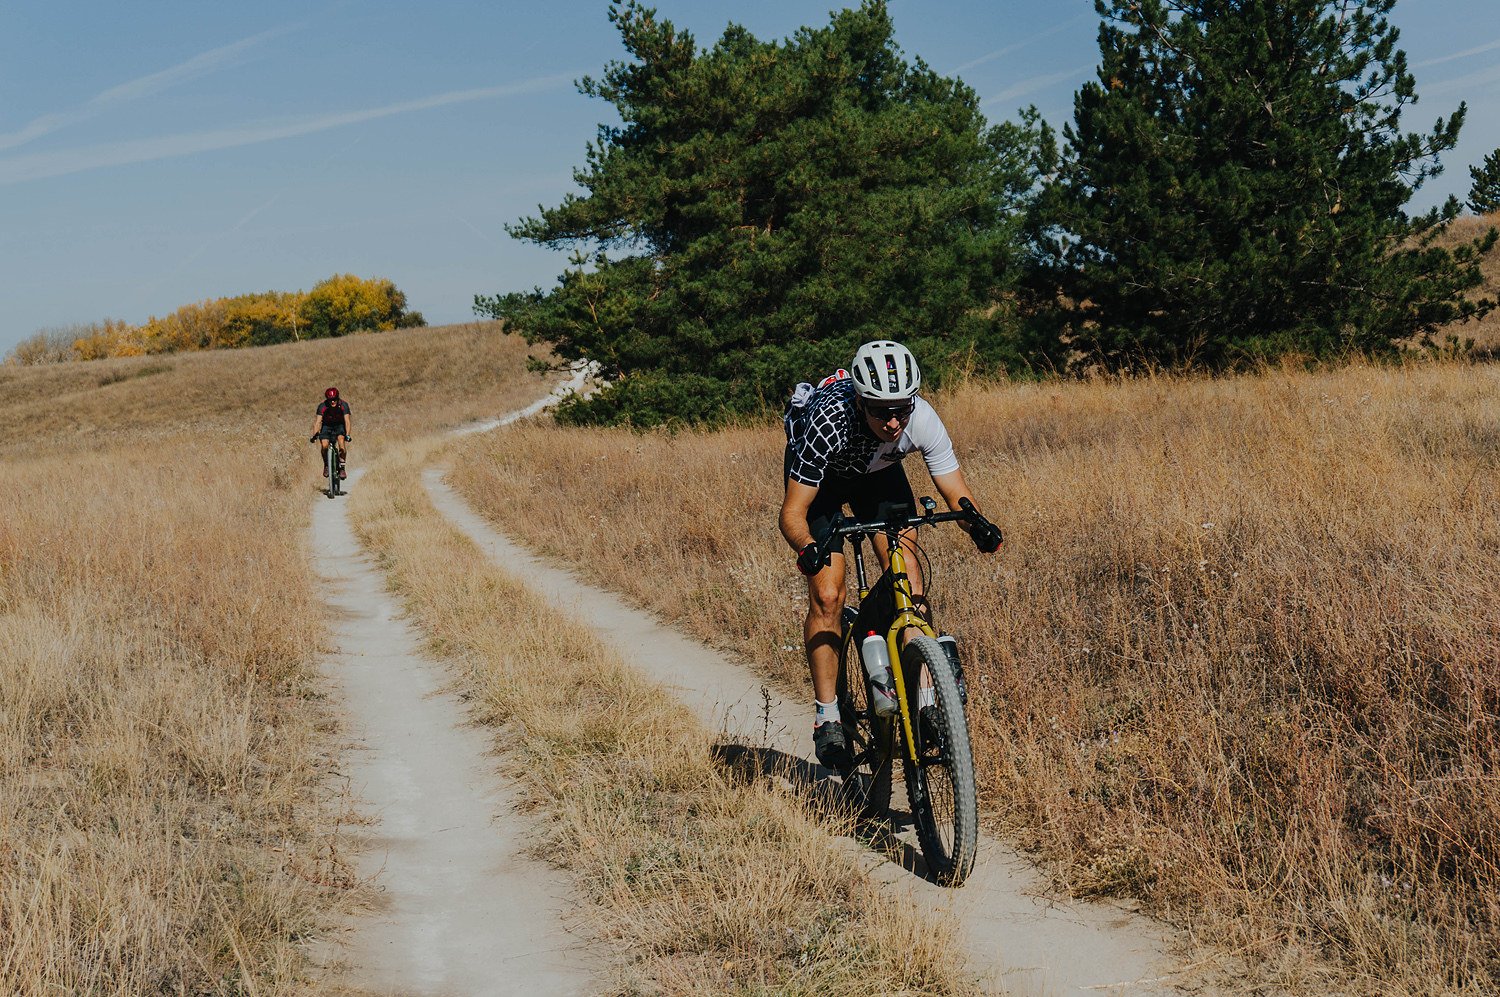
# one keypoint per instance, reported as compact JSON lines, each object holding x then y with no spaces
{"x":846,"y":439}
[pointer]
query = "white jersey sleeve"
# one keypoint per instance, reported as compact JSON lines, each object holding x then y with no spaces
{"x":925,"y":432}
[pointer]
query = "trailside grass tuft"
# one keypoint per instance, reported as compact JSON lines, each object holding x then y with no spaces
{"x":713,"y":883}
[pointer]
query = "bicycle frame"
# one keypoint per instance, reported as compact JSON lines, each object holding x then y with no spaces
{"x":906,"y":615}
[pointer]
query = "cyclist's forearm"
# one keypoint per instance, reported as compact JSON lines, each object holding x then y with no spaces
{"x":793,"y":521}
{"x":953,"y":487}
{"x":795,"y":531}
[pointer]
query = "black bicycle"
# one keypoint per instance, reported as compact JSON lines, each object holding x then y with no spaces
{"x":333,"y":463}
{"x":880,"y":673}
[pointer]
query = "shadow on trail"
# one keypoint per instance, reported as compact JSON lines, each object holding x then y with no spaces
{"x":822,"y":788}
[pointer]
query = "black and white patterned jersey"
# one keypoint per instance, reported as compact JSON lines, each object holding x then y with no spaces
{"x":828,"y":435}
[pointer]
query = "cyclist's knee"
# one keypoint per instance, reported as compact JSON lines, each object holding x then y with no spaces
{"x":826,"y":597}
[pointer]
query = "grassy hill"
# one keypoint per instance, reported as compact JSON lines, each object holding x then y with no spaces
{"x":409,"y":380}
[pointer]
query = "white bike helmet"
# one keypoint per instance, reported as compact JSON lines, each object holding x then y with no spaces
{"x":885,"y":372}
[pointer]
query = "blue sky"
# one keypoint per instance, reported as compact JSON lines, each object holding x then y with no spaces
{"x":153,"y":154}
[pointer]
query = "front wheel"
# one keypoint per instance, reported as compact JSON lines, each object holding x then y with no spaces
{"x":940,"y":784}
{"x":331,"y":459}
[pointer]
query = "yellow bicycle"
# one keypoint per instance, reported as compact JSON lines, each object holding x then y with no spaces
{"x":879,"y":708}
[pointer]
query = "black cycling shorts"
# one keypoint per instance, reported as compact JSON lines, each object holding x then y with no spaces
{"x":863,"y":493}
{"x":330,"y":432}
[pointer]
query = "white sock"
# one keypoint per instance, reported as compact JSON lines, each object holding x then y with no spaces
{"x":826,"y":712}
{"x":926,"y":697}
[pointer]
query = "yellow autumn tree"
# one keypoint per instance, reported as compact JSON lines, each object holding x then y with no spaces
{"x":110,"y":338}
{"x":340,"y":305}
{"x":344,"y":303}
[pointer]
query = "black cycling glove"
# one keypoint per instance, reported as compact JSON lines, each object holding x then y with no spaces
{"x":986,"y":537}
{"x":811,"y":560}
{"x":312,"y":439}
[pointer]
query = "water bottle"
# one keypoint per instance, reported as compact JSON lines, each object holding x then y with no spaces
{"x":950,"y":648}
{"x":877,"y":659}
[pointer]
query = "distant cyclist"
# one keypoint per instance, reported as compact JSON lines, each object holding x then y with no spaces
{"x":846,"y":439}
{"x":331,"y":425}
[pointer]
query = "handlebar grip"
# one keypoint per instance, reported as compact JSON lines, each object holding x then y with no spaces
{"x":976,"y":518}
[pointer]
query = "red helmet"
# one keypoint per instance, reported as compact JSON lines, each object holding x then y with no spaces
{"x":331,"y":394}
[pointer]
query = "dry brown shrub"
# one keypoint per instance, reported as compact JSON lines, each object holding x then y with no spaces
{"x":1237,"y":657}
{"x":717,"y":884}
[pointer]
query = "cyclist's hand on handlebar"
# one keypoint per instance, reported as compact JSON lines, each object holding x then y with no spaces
{"x":812,"y":560}
{"x":986,"y":537}
{"x":312,"y":439}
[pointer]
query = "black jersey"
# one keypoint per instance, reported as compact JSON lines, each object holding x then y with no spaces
{"x":332,"y":413}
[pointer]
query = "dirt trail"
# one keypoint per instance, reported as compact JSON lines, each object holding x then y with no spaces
{"x":1021,"y":935}
{"x":465,"y":912}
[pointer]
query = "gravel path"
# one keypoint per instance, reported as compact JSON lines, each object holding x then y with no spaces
{"x":465,"y":912}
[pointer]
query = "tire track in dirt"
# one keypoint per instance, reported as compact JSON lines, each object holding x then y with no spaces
{"x":464,"y":912}
{"x":1023,"y":938}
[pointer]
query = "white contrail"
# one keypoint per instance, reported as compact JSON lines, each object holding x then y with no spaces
{"x":146,"y":86}
{"x":1467,"y":82}
{"x":1036,"y":83}
{"x":224,"y":235}
{"x":1458,"y":55}
{"x":471,"y":227}
{"x":1007,"y":50}
{"x":53,"y":164}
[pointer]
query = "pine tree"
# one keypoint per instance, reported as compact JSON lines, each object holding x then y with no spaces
{"x":1484,"y":196}
{"x":1234,"y":185}
{"x":775,"y":204}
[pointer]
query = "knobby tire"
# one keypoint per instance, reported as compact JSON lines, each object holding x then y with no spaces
{"x":943,"y":797}
{"x":331,"y":458}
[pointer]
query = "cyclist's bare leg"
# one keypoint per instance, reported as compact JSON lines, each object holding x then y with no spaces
{"x":822,"y":632}
{"x":343,"y":447}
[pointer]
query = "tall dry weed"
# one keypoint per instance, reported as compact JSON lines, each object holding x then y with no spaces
{"x":157,"y":738}
{"x":717,"y":884}
{"x":1237,"y":658}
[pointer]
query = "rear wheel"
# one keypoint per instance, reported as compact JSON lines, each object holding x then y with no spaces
{"x":868,"y":783}
{"x":940,"y":785}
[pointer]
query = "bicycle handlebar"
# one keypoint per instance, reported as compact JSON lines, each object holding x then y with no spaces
{"x":843,"y":526}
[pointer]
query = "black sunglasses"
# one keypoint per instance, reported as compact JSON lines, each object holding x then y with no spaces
{"x":887,"y":412}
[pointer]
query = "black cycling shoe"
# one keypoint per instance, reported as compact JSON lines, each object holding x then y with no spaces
{"x":831,"y":746}
{"x":931,"y":726}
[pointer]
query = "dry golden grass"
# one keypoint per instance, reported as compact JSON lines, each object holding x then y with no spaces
{"x":1238,"y":657}
{"x":716,"y":884}
{"x":160,"y":829}
{"x":166,"y":826}
{"x":398,"y":383}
